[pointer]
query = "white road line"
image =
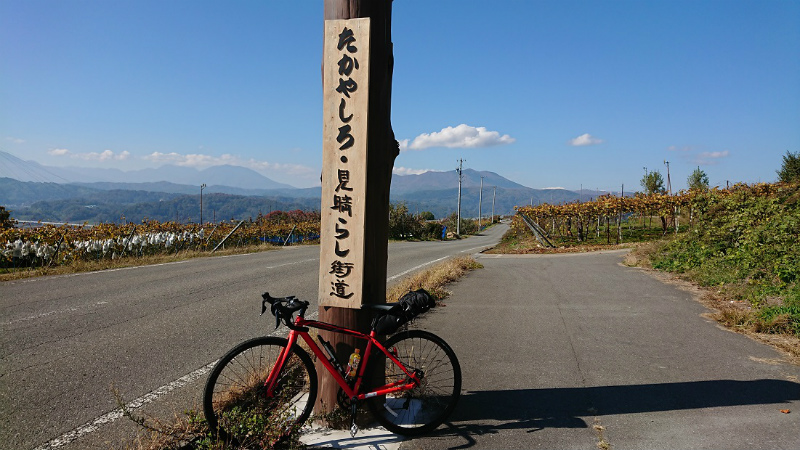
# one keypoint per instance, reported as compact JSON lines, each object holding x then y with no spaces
{"x":416,"y":268}
{"x":469,"y":250}
{"x":50,"y":313}
{"x":292,"y":263}
{"x":73,"y":309}
{"x":112,"y":416}
{"x":80,"y":274}
{"x":482,"y":247}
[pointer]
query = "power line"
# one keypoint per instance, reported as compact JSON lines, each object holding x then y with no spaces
{"x":16,"y":165}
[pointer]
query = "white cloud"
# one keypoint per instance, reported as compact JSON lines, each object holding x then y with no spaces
{"x":15,"y":140}
{"x":461,"y":136}
{"x":201,"y":161}
{"x":710,"y":158}
{"x":106,"y":155}
{"x":673,"y":148}
{"x":291,"y":169}
{"x":715,"y":155}
{"x":173,"y":157}
{"x":585,"y":139}
{"x":407,"y":171}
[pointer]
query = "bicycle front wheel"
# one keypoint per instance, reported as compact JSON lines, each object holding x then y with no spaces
{"x":235,"y":401}
{"x":425,"y":407}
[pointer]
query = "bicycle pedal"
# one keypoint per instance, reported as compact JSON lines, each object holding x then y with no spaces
{"x":353,"y":414}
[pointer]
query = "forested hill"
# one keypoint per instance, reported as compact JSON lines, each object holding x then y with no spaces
{"x":436,"y":192}
{"x":183,"y":208}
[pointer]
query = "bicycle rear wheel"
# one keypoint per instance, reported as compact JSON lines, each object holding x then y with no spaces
{"x":235,"y":402}
{"x":425,"y":407}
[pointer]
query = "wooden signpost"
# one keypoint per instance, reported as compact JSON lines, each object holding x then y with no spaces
{"x":345,"y":89}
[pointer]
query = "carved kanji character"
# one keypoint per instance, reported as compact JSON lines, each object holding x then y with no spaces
{"x":341,"y":269}
{"x":343,"y":203}
{"x":340,"y":289}
{"x":344,"y":178}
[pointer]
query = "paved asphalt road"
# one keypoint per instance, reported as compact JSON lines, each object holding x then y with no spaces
{"x":552,"y":347}
{"x":151,"y":332}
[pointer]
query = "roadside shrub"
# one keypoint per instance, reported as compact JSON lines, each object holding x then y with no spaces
{"x":432,"y":230}
{"x":468,"y":226}
{"x":403,"y":224}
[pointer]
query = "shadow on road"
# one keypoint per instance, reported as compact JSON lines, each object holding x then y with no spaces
{"x":489,"y":412}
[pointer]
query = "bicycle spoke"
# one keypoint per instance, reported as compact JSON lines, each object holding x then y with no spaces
{"x":236,"y":403}
{"x":425,"y":406}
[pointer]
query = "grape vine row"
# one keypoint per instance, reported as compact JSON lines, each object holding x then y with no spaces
{"x":49,"y":244}
{"x":609,"y":209}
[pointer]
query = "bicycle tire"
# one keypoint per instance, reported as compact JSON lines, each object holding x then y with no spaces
{"x":231,"y":395}
{"x":425,"y":407}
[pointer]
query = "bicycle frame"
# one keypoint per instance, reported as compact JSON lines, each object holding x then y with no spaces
{"x":300,"y":328}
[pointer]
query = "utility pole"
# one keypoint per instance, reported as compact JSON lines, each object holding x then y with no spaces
{"x":494,"y":196}
{"x":480,"y":203}
{"x":381,"y":150}
{"x":669,"y":189}
{"x":458,"y":209}
{"x":202,"y":186}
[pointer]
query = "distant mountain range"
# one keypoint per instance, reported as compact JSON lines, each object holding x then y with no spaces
{"x":36,"y":192}
{"x":233,"y":176}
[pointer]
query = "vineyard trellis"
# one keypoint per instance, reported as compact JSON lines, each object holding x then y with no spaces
{"x":576,"y":219}
{"x":50,"y":244}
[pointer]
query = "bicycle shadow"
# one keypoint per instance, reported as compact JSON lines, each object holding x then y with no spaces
{"x":490,"y":412}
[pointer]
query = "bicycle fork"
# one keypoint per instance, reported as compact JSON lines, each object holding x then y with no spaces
{"x":272,"y":380}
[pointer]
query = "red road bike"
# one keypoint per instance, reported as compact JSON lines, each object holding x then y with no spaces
{"x":273,"y":380}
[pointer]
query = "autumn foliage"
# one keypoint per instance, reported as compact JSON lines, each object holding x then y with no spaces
{"x":48,"y":244}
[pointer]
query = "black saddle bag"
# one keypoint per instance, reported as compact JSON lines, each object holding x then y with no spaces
{"x":410,"y":305}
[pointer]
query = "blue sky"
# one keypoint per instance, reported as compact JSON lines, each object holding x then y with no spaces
{"x":545,"y":93}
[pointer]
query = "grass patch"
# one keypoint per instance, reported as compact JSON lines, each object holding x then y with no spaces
{"x":434,"y":279}
{"x":106,"y":264}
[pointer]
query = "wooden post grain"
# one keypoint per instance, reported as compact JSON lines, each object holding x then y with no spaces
{"x":382,"y":149}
